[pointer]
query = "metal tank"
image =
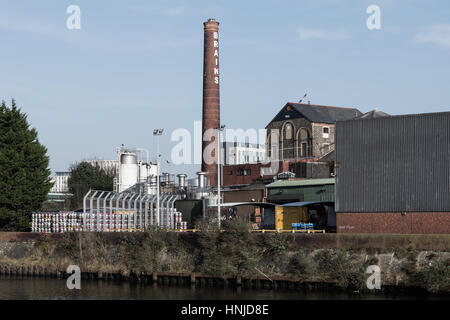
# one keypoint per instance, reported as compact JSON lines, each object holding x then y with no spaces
{"x":143,"y":171}
{"x":201,"y":191}
{"x":182,"y":180}
{"x":128,"y":170}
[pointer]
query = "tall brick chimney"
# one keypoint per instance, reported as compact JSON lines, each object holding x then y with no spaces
{"x":211,"y":93}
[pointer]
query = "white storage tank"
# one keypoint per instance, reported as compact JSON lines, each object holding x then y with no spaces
{"x":143,"y":171}
{"x":128,"y":170}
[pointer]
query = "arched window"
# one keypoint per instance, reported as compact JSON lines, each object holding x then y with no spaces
{"x":303,"y":143}
{"x":288,"y":131}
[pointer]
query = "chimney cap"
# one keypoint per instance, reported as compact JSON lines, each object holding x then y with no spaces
{"x":211,"y":20}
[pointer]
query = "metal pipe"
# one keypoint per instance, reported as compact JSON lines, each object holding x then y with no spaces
{"x":146,"y":211}
{"x":139,"y":197}
{"x":218,"y":174}
{"x":129,"y":210}
{"x":111,"y":211}
{"x":98,"y":209}
{"x":153,"y":215}
{"x":91,"y":205}
{"x":124,"y":205}
{"x":117,"y":209}
{"x":160,"y":219}
{"x":105,"y":210}
{"x":141,"y":225}
{"x":172,"y":207}
{"x":85,"y":209}
{"x":168,"y":224}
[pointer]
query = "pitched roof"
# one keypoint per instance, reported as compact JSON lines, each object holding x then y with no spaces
{"x":316,"y":113}
{"x":300,"y":183}
{"x":375,"y":113}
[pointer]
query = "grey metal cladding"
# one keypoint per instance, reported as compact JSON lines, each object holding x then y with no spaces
{"x":393,"y":164}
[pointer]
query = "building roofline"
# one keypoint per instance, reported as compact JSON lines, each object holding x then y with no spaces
{"x":322,"y":105}
{"x":399,"y":116}
{"x":310,"y":105}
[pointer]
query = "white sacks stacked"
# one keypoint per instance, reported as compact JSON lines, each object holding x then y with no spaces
{"x":56,"y":222}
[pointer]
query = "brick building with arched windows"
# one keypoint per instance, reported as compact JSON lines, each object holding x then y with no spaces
{"x":305,"y":130}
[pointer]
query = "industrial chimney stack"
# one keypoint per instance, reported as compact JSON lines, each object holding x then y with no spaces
{"x":211,"y":94}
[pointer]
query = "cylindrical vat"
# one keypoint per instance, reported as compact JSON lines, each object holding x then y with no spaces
{"x":182,"y":180}
{"x":128,"y":170}
{"x":201,"y":179}
{"x":143,"y":171}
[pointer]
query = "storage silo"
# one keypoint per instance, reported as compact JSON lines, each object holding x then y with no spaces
{"x":129,"y":171}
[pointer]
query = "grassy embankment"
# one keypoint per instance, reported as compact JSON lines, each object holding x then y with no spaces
{"x":405,"y":260}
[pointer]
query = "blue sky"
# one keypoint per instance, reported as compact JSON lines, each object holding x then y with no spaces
{"x":137,"y":65}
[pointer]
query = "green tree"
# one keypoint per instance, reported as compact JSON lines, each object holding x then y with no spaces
{"x":24,"y":173}
{"x":83,"y":177}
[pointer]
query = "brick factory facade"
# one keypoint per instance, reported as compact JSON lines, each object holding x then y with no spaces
{"x":306,"y":144}
{"x":306,"y":130}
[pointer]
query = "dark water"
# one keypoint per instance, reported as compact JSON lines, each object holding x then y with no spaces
{"x":38,"y":288}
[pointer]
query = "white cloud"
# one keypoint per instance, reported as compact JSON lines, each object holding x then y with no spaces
{"x":321,"y":34}
{"x":436,"y":34}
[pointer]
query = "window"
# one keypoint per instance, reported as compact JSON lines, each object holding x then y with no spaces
{"x":230,"y":172}
{"x":239,"y":172}
{"x":303,"y":143}
{"x":247,"y":172}
{"x":304,"y":150}
{"x":326,"y":132}
{"x":288,"y":131}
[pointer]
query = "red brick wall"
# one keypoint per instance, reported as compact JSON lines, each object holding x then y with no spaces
{"x":394,"y":222}
{"x":255,"y":173}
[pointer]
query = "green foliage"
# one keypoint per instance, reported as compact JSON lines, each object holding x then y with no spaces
{"x":337,"y":265}
{"x":83,"y":177}
{"x":232,"y":251}
{"x":276,"y":245}
{"x":434,"y":277}
{"x":299,"y":265}
{"x":24,"y":173}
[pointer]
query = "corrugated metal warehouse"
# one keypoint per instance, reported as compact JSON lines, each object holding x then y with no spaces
{"x":393,"y":174}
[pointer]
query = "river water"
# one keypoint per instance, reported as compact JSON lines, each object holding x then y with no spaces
{"x":51,"y":289}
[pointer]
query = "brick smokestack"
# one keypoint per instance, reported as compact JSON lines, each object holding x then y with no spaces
{"x":211,"y":94}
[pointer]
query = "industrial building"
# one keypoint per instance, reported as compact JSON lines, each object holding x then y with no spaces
{"x":60,"y":182}
{"x":306,"y":130}
{"x":242,"y":152}
{"x":393,"y":174}
{"x":287,"y":191}
{"x":304,"y":144}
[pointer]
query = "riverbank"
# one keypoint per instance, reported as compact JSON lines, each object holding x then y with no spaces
{"x":237,"y":258}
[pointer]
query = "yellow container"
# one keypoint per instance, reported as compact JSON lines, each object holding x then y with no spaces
{"x":286,"y":216}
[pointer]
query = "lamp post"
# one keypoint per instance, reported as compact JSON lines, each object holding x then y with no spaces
{"x":218,"y":173}
{"x":157,"y":133}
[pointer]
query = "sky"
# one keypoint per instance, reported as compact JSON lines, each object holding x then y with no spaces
{"x":134,"y":66}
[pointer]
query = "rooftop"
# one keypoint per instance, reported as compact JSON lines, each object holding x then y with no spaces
{"x":316,"y":113}
{"x":300,"y":183}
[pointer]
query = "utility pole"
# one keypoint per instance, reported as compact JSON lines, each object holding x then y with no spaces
{"x":157,"y":133}
{"x":218,"y":173}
